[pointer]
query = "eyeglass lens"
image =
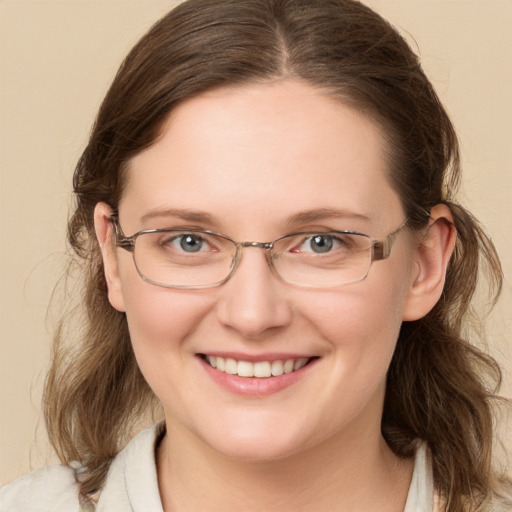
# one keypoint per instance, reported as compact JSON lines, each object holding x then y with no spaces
{"x":199,"y":259}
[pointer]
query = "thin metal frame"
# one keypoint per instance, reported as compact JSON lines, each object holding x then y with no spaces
{"x":379,"y":250}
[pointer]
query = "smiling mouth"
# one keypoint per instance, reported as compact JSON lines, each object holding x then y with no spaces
{"x":260,"y":369}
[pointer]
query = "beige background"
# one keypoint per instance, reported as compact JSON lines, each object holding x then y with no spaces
{"x":56,"y":61}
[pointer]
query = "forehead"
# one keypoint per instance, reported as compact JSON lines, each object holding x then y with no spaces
{"x":263,"y":150}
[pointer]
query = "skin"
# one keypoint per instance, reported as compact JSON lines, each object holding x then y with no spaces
{"x":252,"y":158}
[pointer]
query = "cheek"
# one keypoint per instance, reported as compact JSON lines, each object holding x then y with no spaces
{"x":358,"y":317}
{"x":155,"y":313}
{"x":361,"y":323}
{"x":159,"y":321}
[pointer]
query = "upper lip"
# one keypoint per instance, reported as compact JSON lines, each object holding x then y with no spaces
{"x":255,"y":358}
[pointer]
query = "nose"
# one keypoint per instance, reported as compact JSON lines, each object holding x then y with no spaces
{"x":254,"y":301}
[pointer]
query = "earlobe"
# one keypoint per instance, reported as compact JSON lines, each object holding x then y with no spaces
{"x":104,"y":234}
{"x":432,"y":257}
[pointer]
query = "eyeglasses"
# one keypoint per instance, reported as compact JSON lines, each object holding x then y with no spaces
{"x":197,"y":259}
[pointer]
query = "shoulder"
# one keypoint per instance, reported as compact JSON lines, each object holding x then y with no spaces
{"x":132,"y":481}
{"x":51,"y":488}
{"x":502,"y":502}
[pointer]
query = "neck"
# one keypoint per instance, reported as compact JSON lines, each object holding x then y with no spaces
{"x":351,"y":473}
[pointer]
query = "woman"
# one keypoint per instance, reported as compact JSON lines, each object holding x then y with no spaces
{"x":273,"y":256}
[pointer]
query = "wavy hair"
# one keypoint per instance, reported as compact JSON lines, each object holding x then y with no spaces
{"x":440,"y":387}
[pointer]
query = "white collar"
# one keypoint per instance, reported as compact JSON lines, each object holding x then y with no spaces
{"x":421,"y":490}
{"x":132,"y":483}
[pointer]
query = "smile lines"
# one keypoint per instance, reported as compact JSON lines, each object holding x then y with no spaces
{"x":260,"y":369}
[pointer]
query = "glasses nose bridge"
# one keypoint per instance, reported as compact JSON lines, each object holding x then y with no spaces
{"x":266,"y":246}
{"x":260,"y":245}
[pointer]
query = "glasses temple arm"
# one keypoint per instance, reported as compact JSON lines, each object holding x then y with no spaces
{"x":125,"y":242}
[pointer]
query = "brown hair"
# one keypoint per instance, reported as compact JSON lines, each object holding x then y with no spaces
{"x":440,"y":387}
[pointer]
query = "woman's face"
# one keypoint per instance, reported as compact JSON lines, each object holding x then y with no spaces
{"x":254,"y":163}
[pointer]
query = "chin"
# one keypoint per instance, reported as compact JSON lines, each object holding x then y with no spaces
{"x":257,"y":442}
{"x":256,"y":449}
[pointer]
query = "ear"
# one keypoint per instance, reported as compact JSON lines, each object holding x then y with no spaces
{"x":105,"y":235}
{"x":432,"y":256}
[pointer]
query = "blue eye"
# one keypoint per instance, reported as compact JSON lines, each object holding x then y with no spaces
{"x":186,"y":242}
{"x":331,"y":244}
{"x":190,"y":243}
{"x":321,"y":243}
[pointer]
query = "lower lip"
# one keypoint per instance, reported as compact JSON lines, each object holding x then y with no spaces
{"x":255,"y":386}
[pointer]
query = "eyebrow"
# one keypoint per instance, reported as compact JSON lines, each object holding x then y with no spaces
{"x":303,"y":217}
{"x":320,"y":214}
{"x":184,"y":214}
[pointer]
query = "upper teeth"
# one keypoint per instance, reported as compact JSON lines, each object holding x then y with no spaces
{"x":260,"y":369}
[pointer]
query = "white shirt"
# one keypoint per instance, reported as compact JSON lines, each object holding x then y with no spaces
{"x":132,"y":486}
